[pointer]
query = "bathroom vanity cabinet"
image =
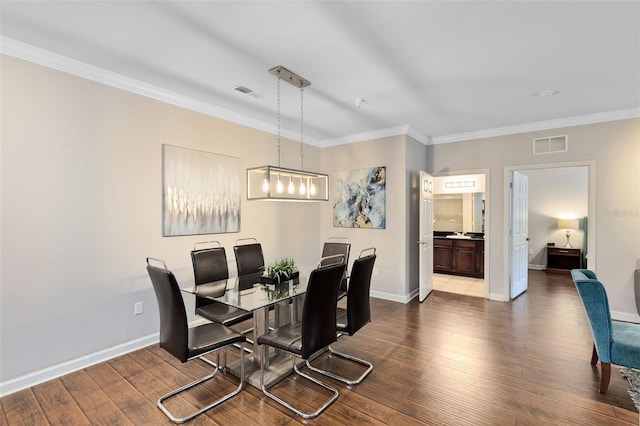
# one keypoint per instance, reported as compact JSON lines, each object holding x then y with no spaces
{"x":459,"y":256}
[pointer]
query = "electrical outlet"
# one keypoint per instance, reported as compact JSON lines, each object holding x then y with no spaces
{"x":530,"y":251}
{"x":137,"y":308}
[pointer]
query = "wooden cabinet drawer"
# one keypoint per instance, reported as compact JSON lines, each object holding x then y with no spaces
{"x":563,"y":251}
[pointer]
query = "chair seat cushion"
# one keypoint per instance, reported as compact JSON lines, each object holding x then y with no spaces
{"x":209,"y":337}
{"x":288,"y":338}
{"x":223,"y":314}
{"x":625,"y":344}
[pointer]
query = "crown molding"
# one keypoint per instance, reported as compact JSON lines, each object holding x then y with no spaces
{"x":67,"y":65}
{"x":581,"y":120}
{"x":404,"y":129}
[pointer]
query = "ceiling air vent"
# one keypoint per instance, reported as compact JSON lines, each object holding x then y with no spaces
{"x":248,"y":91}
{"x":550,"y":145}
{"x":243,"y":89}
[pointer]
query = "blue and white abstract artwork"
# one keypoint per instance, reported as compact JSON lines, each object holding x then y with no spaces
{"x":360,"y":198}
{"x":201,"y":192}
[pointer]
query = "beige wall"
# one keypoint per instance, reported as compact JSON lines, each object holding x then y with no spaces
{"x":81,"y":210}
{"x":390,"y":274}
{"x":614,"y":148}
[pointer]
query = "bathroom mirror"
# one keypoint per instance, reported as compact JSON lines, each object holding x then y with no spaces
{"x":459,"y":212}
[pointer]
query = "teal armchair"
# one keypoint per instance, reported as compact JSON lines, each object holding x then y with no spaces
{"x":614,"y":342}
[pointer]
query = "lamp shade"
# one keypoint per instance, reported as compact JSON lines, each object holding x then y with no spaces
{"x":567,"y":223}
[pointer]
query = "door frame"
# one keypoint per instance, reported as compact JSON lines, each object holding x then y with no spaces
{"x":487,"y":217}
{"x":591,"y":212}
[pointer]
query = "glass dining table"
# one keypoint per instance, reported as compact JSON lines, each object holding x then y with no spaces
{"x":249,"y":293}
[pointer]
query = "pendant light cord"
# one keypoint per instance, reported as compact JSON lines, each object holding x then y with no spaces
{"x":301,"y":128}
{"x":278,"y":120}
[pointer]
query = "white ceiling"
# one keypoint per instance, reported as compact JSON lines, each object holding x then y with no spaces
{"x":446,"y":69}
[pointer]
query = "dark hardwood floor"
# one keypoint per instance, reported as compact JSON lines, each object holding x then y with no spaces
{"x":451,"y":360}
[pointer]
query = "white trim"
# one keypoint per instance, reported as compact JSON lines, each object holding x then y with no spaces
{"x":394,"y":297}
{"x":581,"y":120}
{"x":40,"y":376}
{"x":67,"y":65}
{"x":404,"y":129}
{"x":537,"y":267}
{"x":31,"y":379}
{"x":625,"y":316}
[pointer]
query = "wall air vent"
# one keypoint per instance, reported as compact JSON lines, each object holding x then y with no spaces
{"x":551,"y":145}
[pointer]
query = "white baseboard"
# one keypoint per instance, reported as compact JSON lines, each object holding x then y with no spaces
{"x":537,"y":267}
{"x":49,"y":373}
{"x":40,"y":376}
{"x":625,"y":316}
{"x":394,"y":297}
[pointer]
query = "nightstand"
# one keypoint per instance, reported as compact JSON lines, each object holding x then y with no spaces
{"x":561,"y":260}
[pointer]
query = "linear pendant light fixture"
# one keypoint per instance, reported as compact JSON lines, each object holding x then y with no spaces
{"x":283,"y":184}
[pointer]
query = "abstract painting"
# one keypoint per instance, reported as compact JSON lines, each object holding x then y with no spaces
{"x":360,"y":198}
{"x":201,"y":192}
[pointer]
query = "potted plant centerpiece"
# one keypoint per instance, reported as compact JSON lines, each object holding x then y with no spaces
{"x":280,"y":271}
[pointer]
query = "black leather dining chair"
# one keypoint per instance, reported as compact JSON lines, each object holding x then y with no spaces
{"x":209,"y":265}
{"x":186,"y":343}
{"x":356,"y":315}
{"x":331,"y":250}
{"x":249,"y":257}
{"x":315,"y":332}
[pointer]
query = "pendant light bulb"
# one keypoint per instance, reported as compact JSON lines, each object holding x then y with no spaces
{"x":291,"y":188}
{"x":303,"y":188}
{"x":312,"y":188}
{"x":265,"y":184}
{"x":279,"y":186}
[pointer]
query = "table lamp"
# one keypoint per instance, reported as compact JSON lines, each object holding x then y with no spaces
{"x":568,"y":225}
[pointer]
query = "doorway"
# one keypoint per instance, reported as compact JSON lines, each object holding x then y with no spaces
{"x":558,"y":193}
{"x":461,"y":230}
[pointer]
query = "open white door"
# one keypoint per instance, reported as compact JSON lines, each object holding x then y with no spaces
{"x":519,"y":229}
{"x":426,"y":235}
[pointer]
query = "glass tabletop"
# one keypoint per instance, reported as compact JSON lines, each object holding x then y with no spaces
{"x":247,"y":292}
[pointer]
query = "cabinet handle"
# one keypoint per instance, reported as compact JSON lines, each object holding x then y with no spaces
{"x":563,"y":251}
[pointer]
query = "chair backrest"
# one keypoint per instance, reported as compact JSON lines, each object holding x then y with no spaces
{"x":335,"y":247}
{"x":174,"y":331}
{"x":209,"y":264}
{"x":249,"y":258}
{"x":358,"y":308}
{"x":596,"y":305}
{"x":319,"y":311}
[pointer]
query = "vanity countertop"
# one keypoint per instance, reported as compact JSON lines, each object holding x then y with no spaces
{"x":457,"y":237}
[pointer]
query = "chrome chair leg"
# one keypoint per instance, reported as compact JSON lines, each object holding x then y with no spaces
{"x":197,"y":382}
{"x":356,"y":381}
{"x":265,"y":389}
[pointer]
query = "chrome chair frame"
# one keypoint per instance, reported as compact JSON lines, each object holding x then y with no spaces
{"x":171,"y":342}
{"x":324,"y":293}
{"x":367,"y":364}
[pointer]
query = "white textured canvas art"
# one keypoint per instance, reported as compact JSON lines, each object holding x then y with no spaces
{"x":201,"y":192}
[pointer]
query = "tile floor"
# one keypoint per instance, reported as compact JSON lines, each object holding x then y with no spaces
{"x":460,"y":285}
